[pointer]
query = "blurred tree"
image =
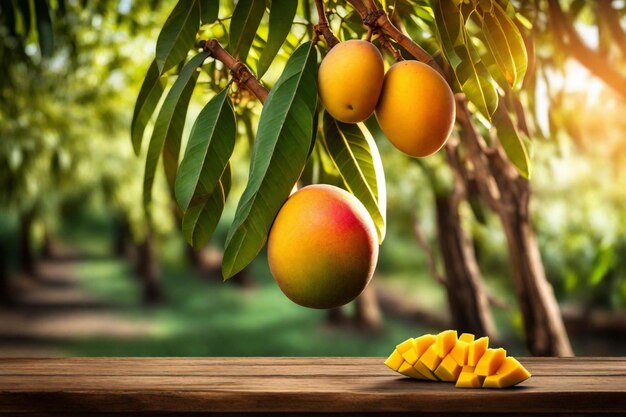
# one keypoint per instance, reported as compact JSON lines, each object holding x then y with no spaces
{"x":62,"y":108}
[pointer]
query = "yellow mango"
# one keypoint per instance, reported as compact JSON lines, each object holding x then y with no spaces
{"x":476,"y":350}
{"x":408,"y":370}
{"x":510,"y":373}
{"x":422,"y":369}
{"x":416,"y":108}
{"x":424,"y":342}
{"x":350,"y":80}
{"x":448,"y":370}
{"x":468,"y":379}
{"x":430,"y":359}
{"x":490,"y":362}
{"x":445,"y":342}
{"x":406,"y":345}
{"x":394,"y":360}
{"x":466,"y":337}
{"x":459,"y":352}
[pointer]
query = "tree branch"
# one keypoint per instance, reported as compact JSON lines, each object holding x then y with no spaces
{"x":611,"y":16}
{"x":377,"y":18}
{"x":430,"y":256}
{"x":239,"y":71}
{"x":322,"y":28}
{"x":384,"y":42}
{"x":592,"y":60}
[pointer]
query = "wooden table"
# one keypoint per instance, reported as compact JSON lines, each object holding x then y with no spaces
{"x":297,"y":386}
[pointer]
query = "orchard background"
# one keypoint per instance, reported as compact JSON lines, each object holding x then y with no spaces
{"x":515,"y":229}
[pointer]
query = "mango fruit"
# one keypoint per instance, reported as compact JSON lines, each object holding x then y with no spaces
{"x":350,"y":79}
{"x":416,"y":109}
{"x":444,"y":357}
{"x":322,"y":247}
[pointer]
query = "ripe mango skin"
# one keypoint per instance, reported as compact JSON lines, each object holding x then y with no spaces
{"x":322,"y":247}
{"x":350,"y":79}
{"x":416,"y":110}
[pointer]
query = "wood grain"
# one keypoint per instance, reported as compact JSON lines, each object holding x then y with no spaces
{"x":298,"y":386}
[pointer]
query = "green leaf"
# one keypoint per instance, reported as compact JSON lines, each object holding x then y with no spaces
{"x":44,"y":28}
{"x":282,"y":14}
{"x":511,"y":140}
{"x":209,"y":9}
{"x":354,"y":153}
{"x":168,"y":128}
{"x":147,"y":100}
{"x":505,"y":46}
{"x":243,"y":26}
{"x":279,"y":155}
{"x":470,"y":72}
{"x":515,"y":42}
{"x":203,"y":215}
{"x":178,"y":34}
{"x":210,"y":146}
{"x":24,"y":7}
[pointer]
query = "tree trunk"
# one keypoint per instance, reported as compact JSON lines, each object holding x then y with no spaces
{"x":47,"y":250}
{"x":5,"y":291}
{"x":468,"y":302}
{"x":366,"y":310}
{"x":508,"y":195}
{"x":27,"y":256}
{"x":543,"y":323}
{"x":148,"y":271}
{"x":336,"y":316}
{"x":122,"y":237}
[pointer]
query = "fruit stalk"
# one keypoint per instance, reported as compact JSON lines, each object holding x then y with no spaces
{"x":379,"y":19}
{"x":239,"y":71}
{"x":322,"y":27}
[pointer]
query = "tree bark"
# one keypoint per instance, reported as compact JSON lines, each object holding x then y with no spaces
{"x":543,"y":323}
{"x":366,"y":310}
{"x":467,"y":300}
{"x":148,"y":271}
{"x":27,"y":261}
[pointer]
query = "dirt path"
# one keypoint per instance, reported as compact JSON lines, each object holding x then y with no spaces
{"x":53,"y":308}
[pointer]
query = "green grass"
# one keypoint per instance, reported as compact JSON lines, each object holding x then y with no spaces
{"x":205,"y":318}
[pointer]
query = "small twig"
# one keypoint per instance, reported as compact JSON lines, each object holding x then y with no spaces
{"x":430,"y":256}
{"x":322,"y":28}
{"x":379,"y":19}
{"x":239,"y":71}
{"x":384,"y":42}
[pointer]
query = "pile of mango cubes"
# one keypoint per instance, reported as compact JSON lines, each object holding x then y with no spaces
{"x":465,"y":360}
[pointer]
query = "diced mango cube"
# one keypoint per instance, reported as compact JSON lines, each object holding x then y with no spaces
{"x":424,"y":342}
{"x":408,"y":370}
{"x":467,"y":361}
{"x":445,"y":342}
{"x":430,"y":358}
{"x":410,"y":356}
{"x":510,"y":373}
{"x":476,"y":350}
{"x":459,"y":352}
{"x":468,"y":379}
{"x":490,"y":362}
{"x":422,"y":369}
{"x":394,"y":360}
{"x":420,"y":345}
{"x":406,"y":345}
{"x":466,"y":337}
{"x":448,"y":370}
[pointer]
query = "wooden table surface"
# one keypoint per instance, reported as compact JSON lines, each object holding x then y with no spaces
{"x":297,"y":386}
